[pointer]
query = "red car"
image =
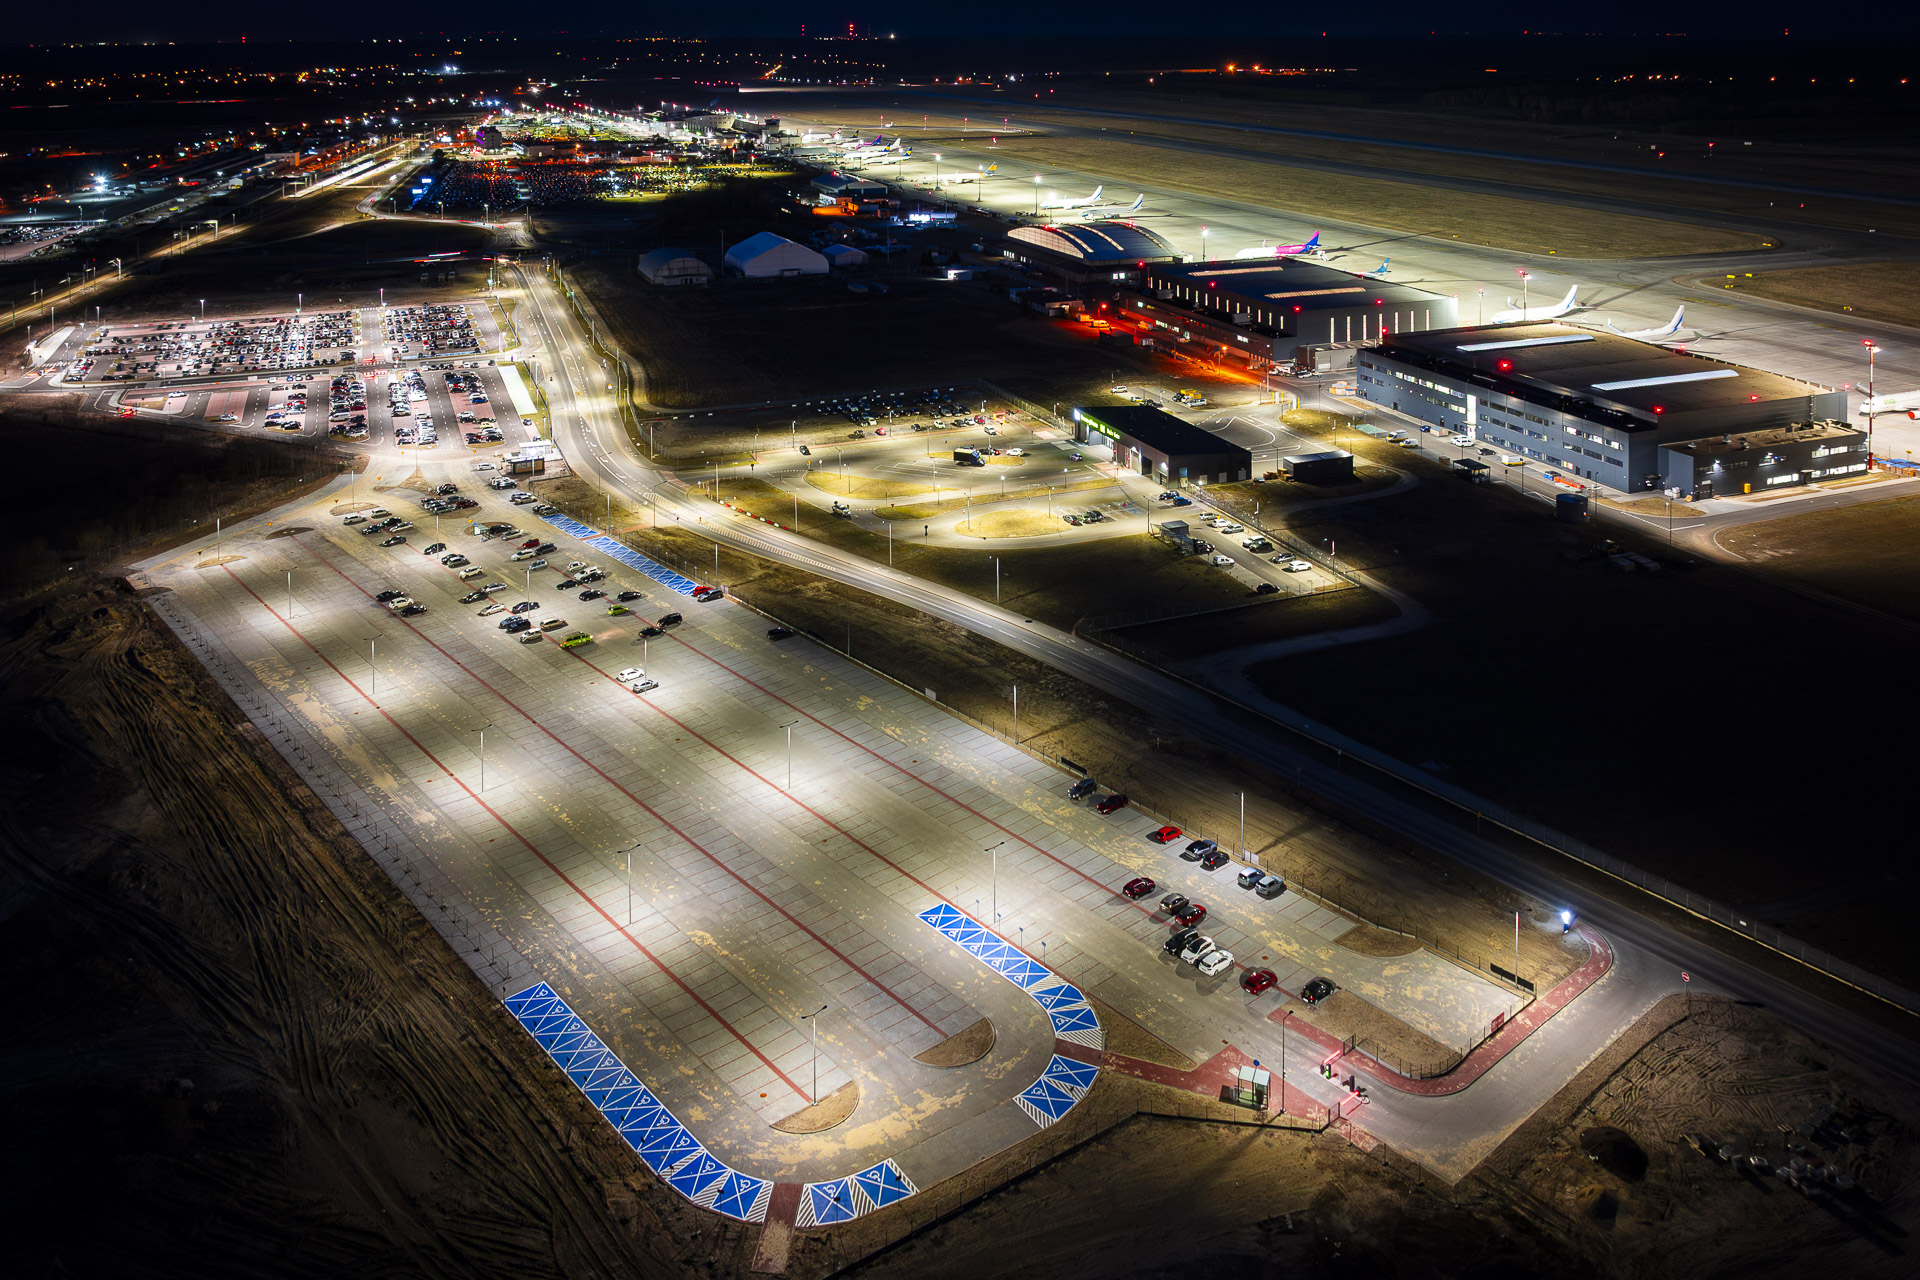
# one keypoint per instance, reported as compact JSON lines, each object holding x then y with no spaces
{"x":1165,"y":835}
{"x":1138,"y":887}
{"x":530,"y":544}
{"x":1111,"y":804}
{"x":1257,"y":980}
{"x":1190,"y":915}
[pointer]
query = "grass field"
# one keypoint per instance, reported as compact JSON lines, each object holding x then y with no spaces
{"x":786,"y":340}
{"x":1020,"y":522}
{"x":1559,"y":681}
{"x":850,"y":486}
{"x":1869,"y":553}
{"x":1871,"y":290}
{"x":1500,"y":221}
{"x":1282,"y":618}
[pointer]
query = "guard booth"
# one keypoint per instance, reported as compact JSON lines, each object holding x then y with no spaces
{"x":1471,"y":469}
{"x":522,"y":464}
{"x":1250,"y":1088}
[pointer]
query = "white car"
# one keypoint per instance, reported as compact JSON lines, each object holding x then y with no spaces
{"x":1462,"y":441}
{"x":1195,"y":950}
{"x":483,"y":466}
{"x":523,"y":555}
{"x":643,"y":684}
{"x":1214,"y":961}
{"x":354,"y":519}
{"x":228,"y":417}
{"x":491,"y":609}
{"x":1016,"y":453}
{"x":1297,"y":566}
{"x":1229,"y":526}
{"x":631,"y":674}
{"x":1220,"y":560}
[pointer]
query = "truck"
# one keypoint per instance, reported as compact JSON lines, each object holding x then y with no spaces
{"x":969,"y":458}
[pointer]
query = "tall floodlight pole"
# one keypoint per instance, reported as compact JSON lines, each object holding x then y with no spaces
{"x":995,"y":851}
{"x":813,"y":1097}
{"x":789,"y":728}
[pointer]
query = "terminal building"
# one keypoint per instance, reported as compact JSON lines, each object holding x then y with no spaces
{"x":1261,"y":312}
{"x":1613,"y":411}
{"x":1155,"y":443}
{"x":1110,"y":253}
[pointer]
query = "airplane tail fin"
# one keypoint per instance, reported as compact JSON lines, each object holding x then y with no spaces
{"x":1138,"y":201}
{"x":1096,"y":193}
{"x":1567,"y":303}
{"x":993,"y":168}
{"x":1313,"y":242}
{"x":1679,"y":318}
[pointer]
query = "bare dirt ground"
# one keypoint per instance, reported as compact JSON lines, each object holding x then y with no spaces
{"x":1871,"y":290}
{"x":1654,"y":1205}
{"x":1524,"y":226}
{"x":248,"y":1055}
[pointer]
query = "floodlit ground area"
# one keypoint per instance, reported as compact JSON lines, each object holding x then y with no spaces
{"x":1869,"y":290}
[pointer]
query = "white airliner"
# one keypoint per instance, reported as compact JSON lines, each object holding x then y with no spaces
{"x":1549,"y":311}
{"x":1379,"y":272}
{"x":1311,"y":249}
{"x":875,"y":151}
{"x":1907,"y":402}
{"x":1115,"y":210}
{"x":1087,"y":203}
{"x":1667,"y":330}
{"x":953,"y":179}
{"x":809,"y":138}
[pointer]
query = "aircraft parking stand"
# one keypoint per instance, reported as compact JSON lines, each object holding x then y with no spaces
{"x":752,"y":904}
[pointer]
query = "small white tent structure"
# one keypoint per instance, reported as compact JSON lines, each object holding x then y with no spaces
{"x":844,"y":255}
{"x":673,"y":266}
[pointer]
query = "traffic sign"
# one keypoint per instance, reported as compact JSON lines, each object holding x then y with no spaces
{"x":1685,"y":976}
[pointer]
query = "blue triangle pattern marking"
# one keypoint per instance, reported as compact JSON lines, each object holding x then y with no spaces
{"x":1047,"y":1098}
{"x":1071,"y":1071}
{"x":832,"y":1201}
{"x":1056,"y":996}
{"x":534,"y":992}
{"x":737,"y":1197}
{"x":1080,"y":1019}
{"x":884,"y":1184}
{"x":693,"y":1177}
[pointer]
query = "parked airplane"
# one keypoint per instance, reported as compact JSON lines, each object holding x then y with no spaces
{"x":1550,"y":311}
{"x":1907,"y":402}
{"x":810,"y":138}
{"x":1114,"y":210}
{"x":1087,"y":203}
{"x":947,"y":179}
{"x":875,"y":151}
{"x":1379,"y":272}
{"x":1311,"y":249}
{"x":1654,"y":335}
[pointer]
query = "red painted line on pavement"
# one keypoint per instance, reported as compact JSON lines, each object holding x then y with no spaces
{"x":512,"y":831}
{"x":648,"y":809}
{"x":1213,"y":1075}
{"x":1491,"y":1050}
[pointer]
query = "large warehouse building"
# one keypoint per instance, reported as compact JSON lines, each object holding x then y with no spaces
{"x":1262,"y":311}
{"x":1155,"y":443}
{"x":768,"y":256}
{"x":1111,"y":253}
{"x":1614,"y":411}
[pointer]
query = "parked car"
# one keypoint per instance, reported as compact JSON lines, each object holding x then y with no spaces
{"x":1112,"y":804}
{"x":1164,"y":835}
{"x":650,"y":633}
{"x":1082,"y":789}
{"x":1297,"y":566}
{"x":1192,"y":913}
{"x":526,"y":606}
{"x":532,"y":637}
{"x":1138,"y":887}
{"x":779,"y":633}
{"x":552,"y":624}
{"x":707,"y":595}
{"x":1173,"y":902}
{"x":1219,"y":561}
{"x":1316,"y":991}
{"x":355,"y":519}
{"x":671,"y":620}
{"x":1250,"y":877}
{"x":1257,"y":980}
{"x":395,"y":540}
{"x":593,"y":595}
{"x":1211,"y":964}
{"x":575,"y":639}
{"x":1177,"y":941}
{"x":1215,"y":858}
{"x":628,"y":674}
{"x":389,"y":594}
{"x":1270,"y":886}
{"x":490,"y":610}
{"x":1198,"y":945}
{"x":628,"y":597}
{"x":513,"y":623}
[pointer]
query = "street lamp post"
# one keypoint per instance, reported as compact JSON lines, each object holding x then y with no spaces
{"x":789,"y":728}
{"x":1872,"y":351}
{"x":995,"y":851}
{"x":373,"y":672}
{"x":813,"y":1097}
{"x":483,"y":755}
{"x":1525,"y":280}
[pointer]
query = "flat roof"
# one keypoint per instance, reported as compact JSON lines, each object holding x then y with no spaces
{"x":1586,"y":364}
{"x":1158,"y":429}
{"x":1766,"y":438}
{"x":1287,"y":283}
